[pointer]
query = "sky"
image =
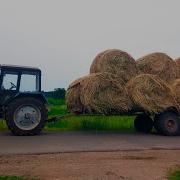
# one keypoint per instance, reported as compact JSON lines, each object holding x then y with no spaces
{"x":62,"y":37}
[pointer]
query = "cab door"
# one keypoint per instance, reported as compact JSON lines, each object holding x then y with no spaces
{"x":9,"y":86}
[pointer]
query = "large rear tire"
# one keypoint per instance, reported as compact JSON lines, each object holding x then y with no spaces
{"x":167,"y":123}
{"x":26,"y":116}
{"x":143,"y":123}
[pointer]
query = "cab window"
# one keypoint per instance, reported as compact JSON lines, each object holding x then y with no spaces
{"x":9,"y":82}
{"x":29,"y":83}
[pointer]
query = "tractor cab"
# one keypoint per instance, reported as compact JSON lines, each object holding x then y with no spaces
{"x":14,"y":79}
{"x":22,"y":103}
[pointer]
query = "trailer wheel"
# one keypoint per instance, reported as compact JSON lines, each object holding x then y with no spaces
{"x":167,"y":123}
{"x":143,"y":123}
{"x":156,"y":126}
{"x":26,"y":116}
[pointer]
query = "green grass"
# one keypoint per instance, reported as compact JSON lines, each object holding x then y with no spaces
{"x":3,"y":126}
{"x":174,"y":175}
{"x":57,"y":107}
{"x":83,"y":123}
{"x":93,"y":123}
{"x":55,"y":102}
{"x":101,"y":123}
{"x":15,"y":178}
{"x":57,"y":110}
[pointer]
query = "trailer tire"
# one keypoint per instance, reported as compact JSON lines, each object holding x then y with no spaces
{"x":26,"y":116}
{"x":167,"y":123}
{"x":156,"y":125}
{"x":143,"y":123}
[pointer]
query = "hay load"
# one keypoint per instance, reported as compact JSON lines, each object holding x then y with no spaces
{"x":178,"y":67}
{"x":117,"y":85}
{"x":98,"y":93}
{"x":105,"y":93}
{"x":96,"y":60}
{"x":158,"y":64}
{"x":115,"y":62}
{"x":176,"y":89}
{"x":150,"y":93}
{"x":73,"y":97}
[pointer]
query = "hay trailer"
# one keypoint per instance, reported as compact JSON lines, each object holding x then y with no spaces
{"x":166,"y":123}
{"x":23,"y":105}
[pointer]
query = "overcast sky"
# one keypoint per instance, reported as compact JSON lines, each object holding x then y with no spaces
{"x":63,"y":36}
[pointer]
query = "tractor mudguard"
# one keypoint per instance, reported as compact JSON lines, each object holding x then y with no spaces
{"x":36,"y":95}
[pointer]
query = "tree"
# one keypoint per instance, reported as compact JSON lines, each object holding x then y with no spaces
{"x":57,"y":93}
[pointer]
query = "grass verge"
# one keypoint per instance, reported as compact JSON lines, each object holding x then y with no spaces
{"x":174,"y":174}
{"x":3,"y":126}
{"x":16,"y":178}
{"x":94,"y":123}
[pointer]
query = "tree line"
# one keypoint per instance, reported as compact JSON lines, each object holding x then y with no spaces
{"x":58,"y":93}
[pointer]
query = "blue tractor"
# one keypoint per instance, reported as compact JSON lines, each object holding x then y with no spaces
{"x":22,"y":104}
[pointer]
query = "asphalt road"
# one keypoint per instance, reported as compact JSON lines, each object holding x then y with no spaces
{"x":84,"y":141}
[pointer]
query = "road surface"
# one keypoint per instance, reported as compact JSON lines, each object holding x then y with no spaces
{"x":84,"y":142}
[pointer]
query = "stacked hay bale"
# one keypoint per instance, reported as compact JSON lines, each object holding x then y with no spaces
{"x":152,"y":90}
{"x":176,"y":89}
{"x":73,"y":97}
{"x":104,"y":91}
{"x":158,"y":64}
{"x":150,"y":93}
{"x":176,"y":84}
{"x":177,"y":61}
{"x":118,"y":84}
{"x":115,"y":62}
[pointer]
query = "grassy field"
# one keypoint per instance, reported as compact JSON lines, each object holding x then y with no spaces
{"x":16,"y":178}
{"x":3,"y":126}
{"x":83,"y":123}
{"x":174,"y":175}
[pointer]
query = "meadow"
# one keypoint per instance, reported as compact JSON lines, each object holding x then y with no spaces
{"x":174,"y":174}
{"x":82,"y":123}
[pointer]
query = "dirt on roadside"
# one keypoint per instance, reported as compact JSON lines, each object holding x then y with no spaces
{"x":130,"y":165}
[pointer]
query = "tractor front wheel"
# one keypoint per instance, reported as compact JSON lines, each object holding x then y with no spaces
{"x":26,"y":116}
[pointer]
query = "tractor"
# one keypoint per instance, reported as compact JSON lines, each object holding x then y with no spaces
{"x":22,"y":104}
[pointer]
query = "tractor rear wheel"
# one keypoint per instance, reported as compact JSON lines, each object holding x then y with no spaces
{"x":26,"y":116}
{"x":167,"y":123}
{"x":143,"y":123}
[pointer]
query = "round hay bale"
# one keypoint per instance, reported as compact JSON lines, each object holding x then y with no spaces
{"x":178,"y":67}
{"x":158,"y":64}
{"x":105,"y":93}
{"x":150,"y":93}
{"x":96,"y":60}
{"x":176,"y":90}
{"x":115,"y":62}
{"x":73,"y":97}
